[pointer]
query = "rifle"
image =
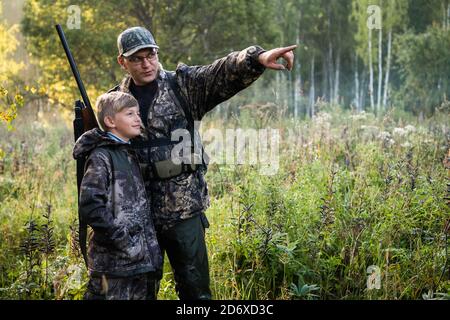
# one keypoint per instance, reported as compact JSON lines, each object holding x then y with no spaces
{"x":84,"y":120}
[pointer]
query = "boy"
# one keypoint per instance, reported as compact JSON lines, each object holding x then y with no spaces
{"x":123,"y":252}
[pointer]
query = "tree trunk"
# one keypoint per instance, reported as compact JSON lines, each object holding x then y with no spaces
{"x":297,"y":89}
{"x":298,"y":80}
{"x":330,"y":71}
{"x":289,"y":97}
{"x":330,"y":56}
{"x":388,"y":69}
{"x":312,"y":91}
{"x":337,"y":76}
{"x":444,"y":17}
{"x":448,"y":16}
{"x":372,"y":102}
{"x":357,"y":102}
{"x":324,"y":77}
{"x":380,"y":68}
{"x":278,"y":88}
{"x":362,"y":94}
{"x":295,"y":95}
{"x":144,"y":12}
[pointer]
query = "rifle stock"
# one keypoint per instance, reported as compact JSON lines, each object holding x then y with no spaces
{"x":78,"y":129}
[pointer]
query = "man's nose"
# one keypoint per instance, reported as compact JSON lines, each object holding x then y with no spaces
{"x":145,"y":63}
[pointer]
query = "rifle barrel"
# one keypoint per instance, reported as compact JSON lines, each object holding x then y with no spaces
{"x":73,"y":66}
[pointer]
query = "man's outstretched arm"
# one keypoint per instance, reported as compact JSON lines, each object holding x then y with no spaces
{"x":207,"y":86}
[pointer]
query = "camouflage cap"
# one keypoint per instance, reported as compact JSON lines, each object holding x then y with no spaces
{"x":133,"y":40}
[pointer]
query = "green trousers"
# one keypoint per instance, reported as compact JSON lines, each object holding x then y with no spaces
{"x":186,"y":249}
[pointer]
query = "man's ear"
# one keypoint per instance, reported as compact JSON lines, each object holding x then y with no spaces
{"x":121,"y":61}
{"x":109,"y":122}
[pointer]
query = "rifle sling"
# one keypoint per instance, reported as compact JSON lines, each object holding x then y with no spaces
{"x":184,"y":105}
{"x":172,"y":80}
{"x":158,"y":142}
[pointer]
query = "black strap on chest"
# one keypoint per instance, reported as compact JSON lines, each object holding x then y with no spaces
{"x":172,"y":80}
{"x":164,"y":141}
{"x":158,"y":142}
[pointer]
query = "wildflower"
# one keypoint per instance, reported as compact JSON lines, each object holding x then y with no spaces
{"x":369,"y":132}
{"x":389,"y":142}
{"x":322,"y":118}
{"x":410,"y":128}
{"x":384,"y":135}
{"x":406,"y":145}
{"x":19,"y":99}
{"x":360,"y":116}
{"x":370,"y":129}
{"x":399,"y":132}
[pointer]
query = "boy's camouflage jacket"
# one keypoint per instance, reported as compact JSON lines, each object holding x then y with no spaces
{"x":203,"y":87}
{"x":114,"y":203}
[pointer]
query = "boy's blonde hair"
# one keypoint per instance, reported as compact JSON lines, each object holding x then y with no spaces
{"x":108,"y":104}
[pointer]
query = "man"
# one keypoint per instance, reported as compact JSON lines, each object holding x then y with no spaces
{"x":170,"y":101}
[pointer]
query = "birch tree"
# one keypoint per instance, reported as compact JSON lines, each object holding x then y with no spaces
{"x":395,"y":19}
{"x":367,"y":18}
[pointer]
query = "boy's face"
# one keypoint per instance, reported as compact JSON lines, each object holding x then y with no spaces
{"x":125,"y":124}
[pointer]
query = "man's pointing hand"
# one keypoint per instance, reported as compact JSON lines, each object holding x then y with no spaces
{"x":269,"y":58}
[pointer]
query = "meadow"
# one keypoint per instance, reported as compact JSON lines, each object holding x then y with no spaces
{"x":354,"y":193}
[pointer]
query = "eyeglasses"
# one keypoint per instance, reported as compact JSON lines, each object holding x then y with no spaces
{"x":139,"y":59}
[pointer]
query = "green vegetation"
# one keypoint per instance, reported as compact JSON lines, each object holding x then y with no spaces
{"x":352,"y":191}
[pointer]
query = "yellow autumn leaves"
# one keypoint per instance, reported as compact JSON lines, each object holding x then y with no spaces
{"x":9,"y":105}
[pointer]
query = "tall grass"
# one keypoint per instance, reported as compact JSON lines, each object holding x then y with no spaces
{"x":352,"y":191}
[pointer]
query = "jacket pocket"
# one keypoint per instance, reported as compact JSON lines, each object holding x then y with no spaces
{"x":134,"y":251}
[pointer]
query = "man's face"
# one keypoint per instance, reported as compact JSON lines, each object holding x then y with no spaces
{"x":125,"y":124}
{"x":143,"y":66}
